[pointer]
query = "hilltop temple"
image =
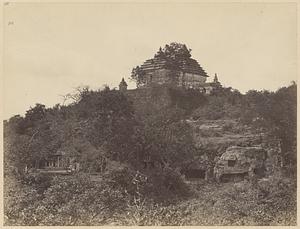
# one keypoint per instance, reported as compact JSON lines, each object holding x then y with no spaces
{"x":172,"y":66}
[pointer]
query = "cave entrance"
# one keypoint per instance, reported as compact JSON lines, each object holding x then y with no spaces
{"x":195,"y":174}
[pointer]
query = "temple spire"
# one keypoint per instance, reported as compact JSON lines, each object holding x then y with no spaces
{"x":123,"y":85}
{"x":216,"y":78}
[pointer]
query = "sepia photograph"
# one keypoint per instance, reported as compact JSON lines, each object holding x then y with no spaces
{"x":153,"y":113}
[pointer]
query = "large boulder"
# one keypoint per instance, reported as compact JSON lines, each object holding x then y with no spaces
{"x":240,"y":161}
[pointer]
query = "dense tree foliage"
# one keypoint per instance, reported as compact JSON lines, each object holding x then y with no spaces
{"x":276,"y":112}
{"x":99,"y":119}
{"x":138,"y":156}
{"x":187,"y":100}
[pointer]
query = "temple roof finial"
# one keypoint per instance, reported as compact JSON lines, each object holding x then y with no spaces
{"x":216,"y":78}
{"x":123,"y":82}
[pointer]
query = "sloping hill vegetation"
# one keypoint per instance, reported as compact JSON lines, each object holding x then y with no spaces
{"x":131,"y":160}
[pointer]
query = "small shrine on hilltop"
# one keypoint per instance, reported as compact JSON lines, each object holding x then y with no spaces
{"x":172,"y":66}
{"x":123,"y":85}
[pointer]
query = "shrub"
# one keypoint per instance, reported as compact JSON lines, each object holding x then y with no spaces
{"x":122,"y":179}
{"x":39,"y":181}
{"x":212,"y":111}
{"x":156,"y":215}
{"x":187,"y":99}
{"x":166,"y":186}
{"x":228,"y":127}
{"x":68,"y":201}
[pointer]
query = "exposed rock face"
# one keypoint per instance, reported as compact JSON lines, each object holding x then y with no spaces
{"x":220,"y":134}
{"x":241,"y":161}
{"x":214,"y":138}
{"x":231,"y":148}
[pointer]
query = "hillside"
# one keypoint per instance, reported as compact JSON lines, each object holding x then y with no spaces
{"x":223,"y":133}
{"x":120,"y":147}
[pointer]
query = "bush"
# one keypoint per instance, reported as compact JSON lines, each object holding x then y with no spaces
{"x":265,"y":202}
{"x":155,"y":215}
{"x":158,"y":185}
{"x":167,"y":186}
{"x":227,"y":127}
{"x":39,"y":181}
{"x":187,"y":99}
{"x":212,"y":111}
{"x":68,"y":201}
{"x":17,"y":197}
{"x":122,"y":179}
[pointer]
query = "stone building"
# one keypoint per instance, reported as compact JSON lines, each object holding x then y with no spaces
{"x":57,"y":163}
{"x":173,"y":66}
{"x":188,"y":73}
{"x":209,"y":87}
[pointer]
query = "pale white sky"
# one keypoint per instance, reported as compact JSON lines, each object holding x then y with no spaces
{"x":49,"y":49}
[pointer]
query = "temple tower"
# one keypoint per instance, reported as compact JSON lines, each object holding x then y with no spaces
{"x":216,"y":78}
{"x":123,"y":85}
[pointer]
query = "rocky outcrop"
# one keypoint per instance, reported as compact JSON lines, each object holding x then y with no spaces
{"x":233,"y":148}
